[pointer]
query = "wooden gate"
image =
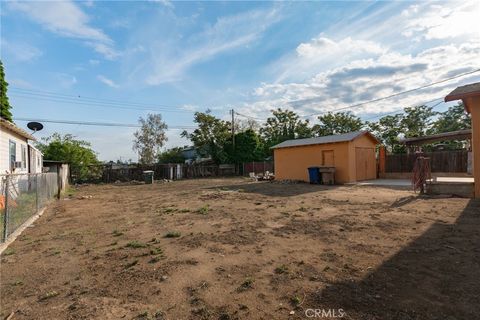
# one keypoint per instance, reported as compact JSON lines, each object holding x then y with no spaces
{"x":365,"y":163}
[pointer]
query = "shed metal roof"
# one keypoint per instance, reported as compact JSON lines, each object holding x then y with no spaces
{"x":345,"y":137}
{"x":446,"y":136}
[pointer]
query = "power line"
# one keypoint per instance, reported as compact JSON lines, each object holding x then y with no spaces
{"x":399,"y":93}
{"x":87,"y":103}
{"x":57,"y":95}
{"x":379,"y":99}
{"x":249,"y":117}
{"x":103,"y":124}
{"x":400,"y":111}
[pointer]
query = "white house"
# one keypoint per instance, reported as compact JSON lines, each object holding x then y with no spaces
{"x":17,"y":154}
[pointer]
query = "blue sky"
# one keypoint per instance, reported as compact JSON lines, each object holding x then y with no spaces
{"x":62,"y":58}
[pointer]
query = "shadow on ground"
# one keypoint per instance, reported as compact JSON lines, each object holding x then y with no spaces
{"x":437,"y":276}
{"x":276,"y":189}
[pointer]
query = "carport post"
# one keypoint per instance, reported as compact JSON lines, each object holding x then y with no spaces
{"x":470,"y":95}
{"x":475,"y":111}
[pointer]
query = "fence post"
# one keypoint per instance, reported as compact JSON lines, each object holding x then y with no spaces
{"x":381,"y":162}
{"x":5,"y":216}
{"x":36,"y":192}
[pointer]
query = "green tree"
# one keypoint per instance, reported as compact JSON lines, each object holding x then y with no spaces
{"x":210,"y":137}
{"x":336,"y":123}
{"x":387,"y":129}
{"x":173,"y":155}
{"x":284,"y":125}
{"x":150,"y":138}
{"x":5,"y":106}
{"x":453,"y":119}
{"x":417,"y":121}
{"x":77,"y":153}
{"x":248,"y":147}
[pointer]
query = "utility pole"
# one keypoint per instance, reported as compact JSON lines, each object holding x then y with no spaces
{"x":233,"y":128}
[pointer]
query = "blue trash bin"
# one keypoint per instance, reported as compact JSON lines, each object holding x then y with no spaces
{"x":314,"y":175}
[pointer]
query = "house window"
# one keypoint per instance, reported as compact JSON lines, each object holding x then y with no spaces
{"x":13,"y":154}
{"x":24,"y":157}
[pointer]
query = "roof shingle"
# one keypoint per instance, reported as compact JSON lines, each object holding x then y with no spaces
{"x":345,"y":137}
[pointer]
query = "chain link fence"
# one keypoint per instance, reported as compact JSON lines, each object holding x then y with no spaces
{"x":22,"y":196}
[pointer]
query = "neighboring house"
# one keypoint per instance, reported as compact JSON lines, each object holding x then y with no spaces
{"x":17,"y":154}
{"x":189,"y":153}
{"x":352,"y":154}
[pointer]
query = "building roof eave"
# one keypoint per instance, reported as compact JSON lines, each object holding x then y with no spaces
{"x":13,"y":128}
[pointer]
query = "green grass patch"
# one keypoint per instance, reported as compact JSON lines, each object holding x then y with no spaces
{"x":281,"y":269}
{"x":295,"y":301}
{"x":172,"y":234}
{"x":203,"y":210}
{"x":9,"y":252}
{"x":246,"y":284}
{"x":49,"y":295}
{"x":17,"y":283}
{"x":136,"y":244}
{"x":154,"y":260}
{"x":117,"y":233}
{"x":131,"y":264}
{"x":156,"y":251}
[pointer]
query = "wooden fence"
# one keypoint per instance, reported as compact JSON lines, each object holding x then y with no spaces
{"x":165,"y":171}
{"x":440,"y":161}
{"x":112,"y":173}
{"x":256,"y":167}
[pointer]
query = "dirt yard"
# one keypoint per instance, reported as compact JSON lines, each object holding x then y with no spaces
{"x":233,"y":249}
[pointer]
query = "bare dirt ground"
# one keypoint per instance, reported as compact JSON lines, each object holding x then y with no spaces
{"x":232,"y":249}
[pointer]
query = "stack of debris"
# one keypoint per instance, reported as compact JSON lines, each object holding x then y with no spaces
{"x":267,"y":176}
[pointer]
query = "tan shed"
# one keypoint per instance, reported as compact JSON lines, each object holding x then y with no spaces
{"x":352,"y":154}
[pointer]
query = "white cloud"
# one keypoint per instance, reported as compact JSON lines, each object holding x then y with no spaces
{"x":89,"y":3}
{"x":107,"y":81}
{"x":367,"y":79}
{"x":227,"y":34}
{"x":336,"y":69}
{"x":65,"y":18}
{"x":322,"y":52}
{"x":20,"y":83}
{"x":105,"y":49}
{"x":323,"y":46}
{"x":64,"y":80}
{"x":443,"y":22}
{"x":20,"y":51}
{"x":190,"y":107}
{"x":166,"y":3}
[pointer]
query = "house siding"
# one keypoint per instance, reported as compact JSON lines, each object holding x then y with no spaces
{"x":5,"y":137}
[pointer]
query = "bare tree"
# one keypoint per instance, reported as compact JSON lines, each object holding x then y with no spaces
{"x":150,"y":138}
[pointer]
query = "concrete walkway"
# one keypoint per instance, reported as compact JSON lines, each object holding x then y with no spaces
{"x":453,"y":179}
{"x":384,"y":182}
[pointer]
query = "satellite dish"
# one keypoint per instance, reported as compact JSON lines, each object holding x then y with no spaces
{"x":35,"y":126}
